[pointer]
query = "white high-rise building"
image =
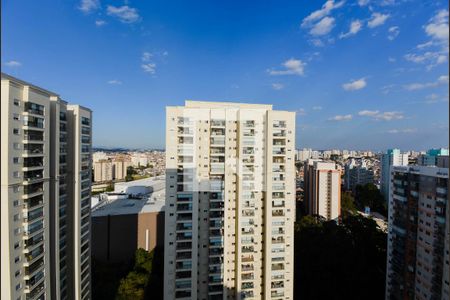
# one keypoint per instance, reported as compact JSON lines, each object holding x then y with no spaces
{"x":230,"y":205}
{"x":392,"y":157}
{"x":45,"y":191}
{"x":322,"y":189}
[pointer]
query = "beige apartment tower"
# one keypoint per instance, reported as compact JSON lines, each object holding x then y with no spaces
{"x":45,"y":192}
{"x":230,"y":202}
{"x":322,"y":189}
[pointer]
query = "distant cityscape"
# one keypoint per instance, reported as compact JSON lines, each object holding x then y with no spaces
{"x":225,"y":150}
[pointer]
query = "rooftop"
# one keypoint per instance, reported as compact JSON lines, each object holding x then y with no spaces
{"x":151,"y":202}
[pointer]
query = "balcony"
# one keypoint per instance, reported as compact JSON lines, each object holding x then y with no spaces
{"x":31,"y":269}
{"x":33,"y":255}
{"x":247,"y":258}
{"x":85,"y":121}
{"x":184,"y":255}
{"x":32,"y":176}
{"x":33,"y":242}
{"x":184,"y":246}
{"x":32,"y":190}
{"x":34,"y":202}
{"x":279,"y":133}
{"x":33,"y":149}
{"x":218,"y":131}
{"x":279,"y":124}
{"x":184,"y":226}
{"x":33,"y":136}
{"x":277,"y":267}
{"x":247,"y":285}
{"x":247,"y":276}
{"x":33,"y":163}
{"x":218,"y":123}
{"x":185,"y":131}
{"x":215,"y":251}
{"x":247,"y":249}
{"x":247,"y":231}
{"x":184,"y":217}
{"x":218,"y":141}
{"x":247,"y":267}
{"x":278,"y":240}
{"x":34,"y":280}
{"x":34,"y":108}
{"x":279,"y":142}
{"x":38,"y":290}
{"x":248,"y":123}
{"x":33,"y":122}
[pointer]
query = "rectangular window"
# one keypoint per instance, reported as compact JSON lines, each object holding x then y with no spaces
{"x":16,"y":117}
{"x":16,"y":146}
{"x":15,"y":160}
{"x":16,"y":131}
{"x":16,"y":174}
{"x":16,"y":102}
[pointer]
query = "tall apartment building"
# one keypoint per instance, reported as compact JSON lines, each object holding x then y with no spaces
{"x":357,"y":173}
{"x":418,"y":239}
{"x":322,"y":186}
{"x":45,"y":189}
{"x":230,"y":205}
{"x":431,"y":157}
{"x":392,"y":157}
{"x":108,"y":170}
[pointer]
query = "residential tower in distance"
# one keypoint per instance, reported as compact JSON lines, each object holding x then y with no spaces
{"x":45,"y":192}
{"x":418,"y":240}
{"x":392,"y":157}
{"x":322,"y":189}
{"x":230,"y":205}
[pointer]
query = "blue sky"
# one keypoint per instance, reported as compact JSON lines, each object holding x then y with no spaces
{"x":360,"y":74}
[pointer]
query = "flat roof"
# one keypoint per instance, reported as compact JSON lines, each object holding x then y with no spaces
{"x":150,"y":181}
{"x":150,"y":203}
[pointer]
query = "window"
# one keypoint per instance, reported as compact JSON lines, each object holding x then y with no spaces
{"x":16,"y":174}
{"x":16,"y":189}
{"x":16,"y":146}
{"x":17,"y":273}
{"x":16,"y":102}
{"x":16,"y":245}
{"x":16,"y":131}
{"x":16,"y":203}
{"x":18,"y":287}
{"x":15,"y":160}
{"x":16,"y":117}
{"x":17,"y":259}
{"x":16,"y":217}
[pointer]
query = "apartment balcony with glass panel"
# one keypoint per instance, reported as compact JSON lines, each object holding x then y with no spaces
{"x":278,"y":169}
{"x":33,"y":268}
{"x":33,"y":149}
{"x":277,"y":213}
{"x":30,"y":122}
{"x":34,"y":255}
{"x":247,"y":249}
{"x":278,"y":230}
{"x":217,"y":141}
{"x":184,"y":207}
{"x":184,"y":130}
{"x":33,"y":136}
{"x":248,"y":160}
{"x":34,"y":108}
{"x":247,"y":267}
{"x":279,"y":132}
{"x":33,"y":203}
{"x":218,"y":131}
{"x":36,"y":292}
{"x":217,"y":168}
{"x":278,"y":186}
{"x":215,"y":251}
{"x":247,"y":230}
{"x":33,"y":281}
{"x":184,"y":216}
{"x":278,"y":240}
{"x":34,"y":215}
{"x":215,"y":242}
{"x":184,"y":226}
{"x":215,"y":269}
{"x":248,"y":123}
{"x":33,"y":242}
{"x":279,"y":124}
{"x":279,"y":142}
{"x":217,"y":260}
{"x":218,"y":123}
{"x":247,"y":276}
{"x":277,"y":150}
{"x":217,"y":151}
{"x":247,"y":285}
{"x":32,"y":190}
{"x":247,"y":258}
{"x":218,"y":223}
{"x":216,"y":205}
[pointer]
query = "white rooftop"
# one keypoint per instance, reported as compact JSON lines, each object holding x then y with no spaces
{"x":151,"y":202}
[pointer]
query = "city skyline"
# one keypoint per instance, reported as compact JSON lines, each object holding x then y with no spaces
{"x":359,"y":75}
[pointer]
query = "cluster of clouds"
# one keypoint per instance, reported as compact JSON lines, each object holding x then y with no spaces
{"x":435,"y":51}
{"x":321,"y":22}
{"x":375,"y":115}
{"x":124,"y":14}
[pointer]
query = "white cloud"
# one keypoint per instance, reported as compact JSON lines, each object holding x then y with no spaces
{"x":341,"y":118}
{"x":317,"y":108}
{"x":277,"y":86}
{"x":125,"y":14}
{"x":406,"y":130}
{"x":437,"y":28}
{"x":419,"y":86}
{"x":319,"y":14}
{"x":369,"y":113}
{"x":146,"y":56}
{"x":301,"y":112}
{"x":317,"y":42}
{"x":355,"y":85}
{"x":100,"y":23}
{"x":88,"y":6}
{"x":13,"y":63}
{"x":382,"y":116}
{"x":322,"y":27}
{"x":435,"y":98}
{"x":377,"y":20}
{"x":149,"y":68}
{"x":355,"y":27}
{"x":391,"y":59}
{"x":115,"y":81}
{"x":393,"y":32}
{"x":292,"y":67}
{"x":363,"y":2}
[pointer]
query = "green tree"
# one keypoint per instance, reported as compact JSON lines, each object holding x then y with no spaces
{"x":347,"y":205}
{"x":339,"y":261}
{"x":370,"y":195}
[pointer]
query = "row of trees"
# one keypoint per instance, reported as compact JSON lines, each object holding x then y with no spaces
{"x":137,"y":280}
{"x":339,"y":261}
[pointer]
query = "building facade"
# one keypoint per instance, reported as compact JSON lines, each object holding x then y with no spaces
{"x":40,"y":193}
{"x":322,"y":187}
{"x":392,"y":157}
{"x":230,"y":208}
{"x":418,"y":238}
{"x":357,"y":173}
